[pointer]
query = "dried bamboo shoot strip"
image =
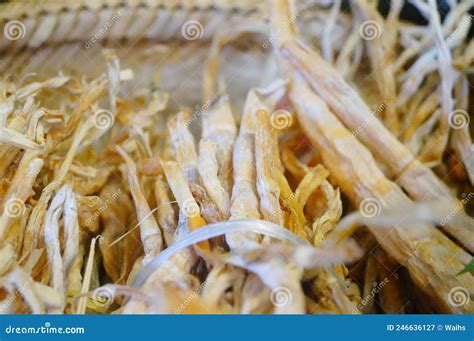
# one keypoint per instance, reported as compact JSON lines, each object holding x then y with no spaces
{"x":149,"y":230}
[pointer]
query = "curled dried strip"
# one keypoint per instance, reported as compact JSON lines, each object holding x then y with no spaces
{"x":294,"y":215}
{"x":208,"y":169}
{"x":20,"y":190}
{"x":52,"y":243}
{"x":310,"y":182}
{"x":328,"y":220}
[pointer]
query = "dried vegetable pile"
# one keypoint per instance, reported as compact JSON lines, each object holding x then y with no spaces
{"x":328,"y":193}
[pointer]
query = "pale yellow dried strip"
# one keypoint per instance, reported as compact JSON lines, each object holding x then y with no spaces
{"x":82,"y":303}
{"x":328,"y":220}
{"x":183,"y":143}
{"x":218,"y":125}
{"x":150,"y":232}
{"x":310,"y":182}
{"x":179,"y":187}
{"x":53,"y":247}
{"x":267,"y":187}
{"x":71,"y":231}
{"x":32,"y":88}
{"x":7,"y":258}
{"x":244,"y":200}
{"x":20,"y":189}
{"x":12,"y":137}
{"x":208,"y":170}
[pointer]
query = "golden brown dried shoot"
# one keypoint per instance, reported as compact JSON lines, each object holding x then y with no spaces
{"x":183,"y":143}
{"x":189,"y":210}
{"x":357,"y":174}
